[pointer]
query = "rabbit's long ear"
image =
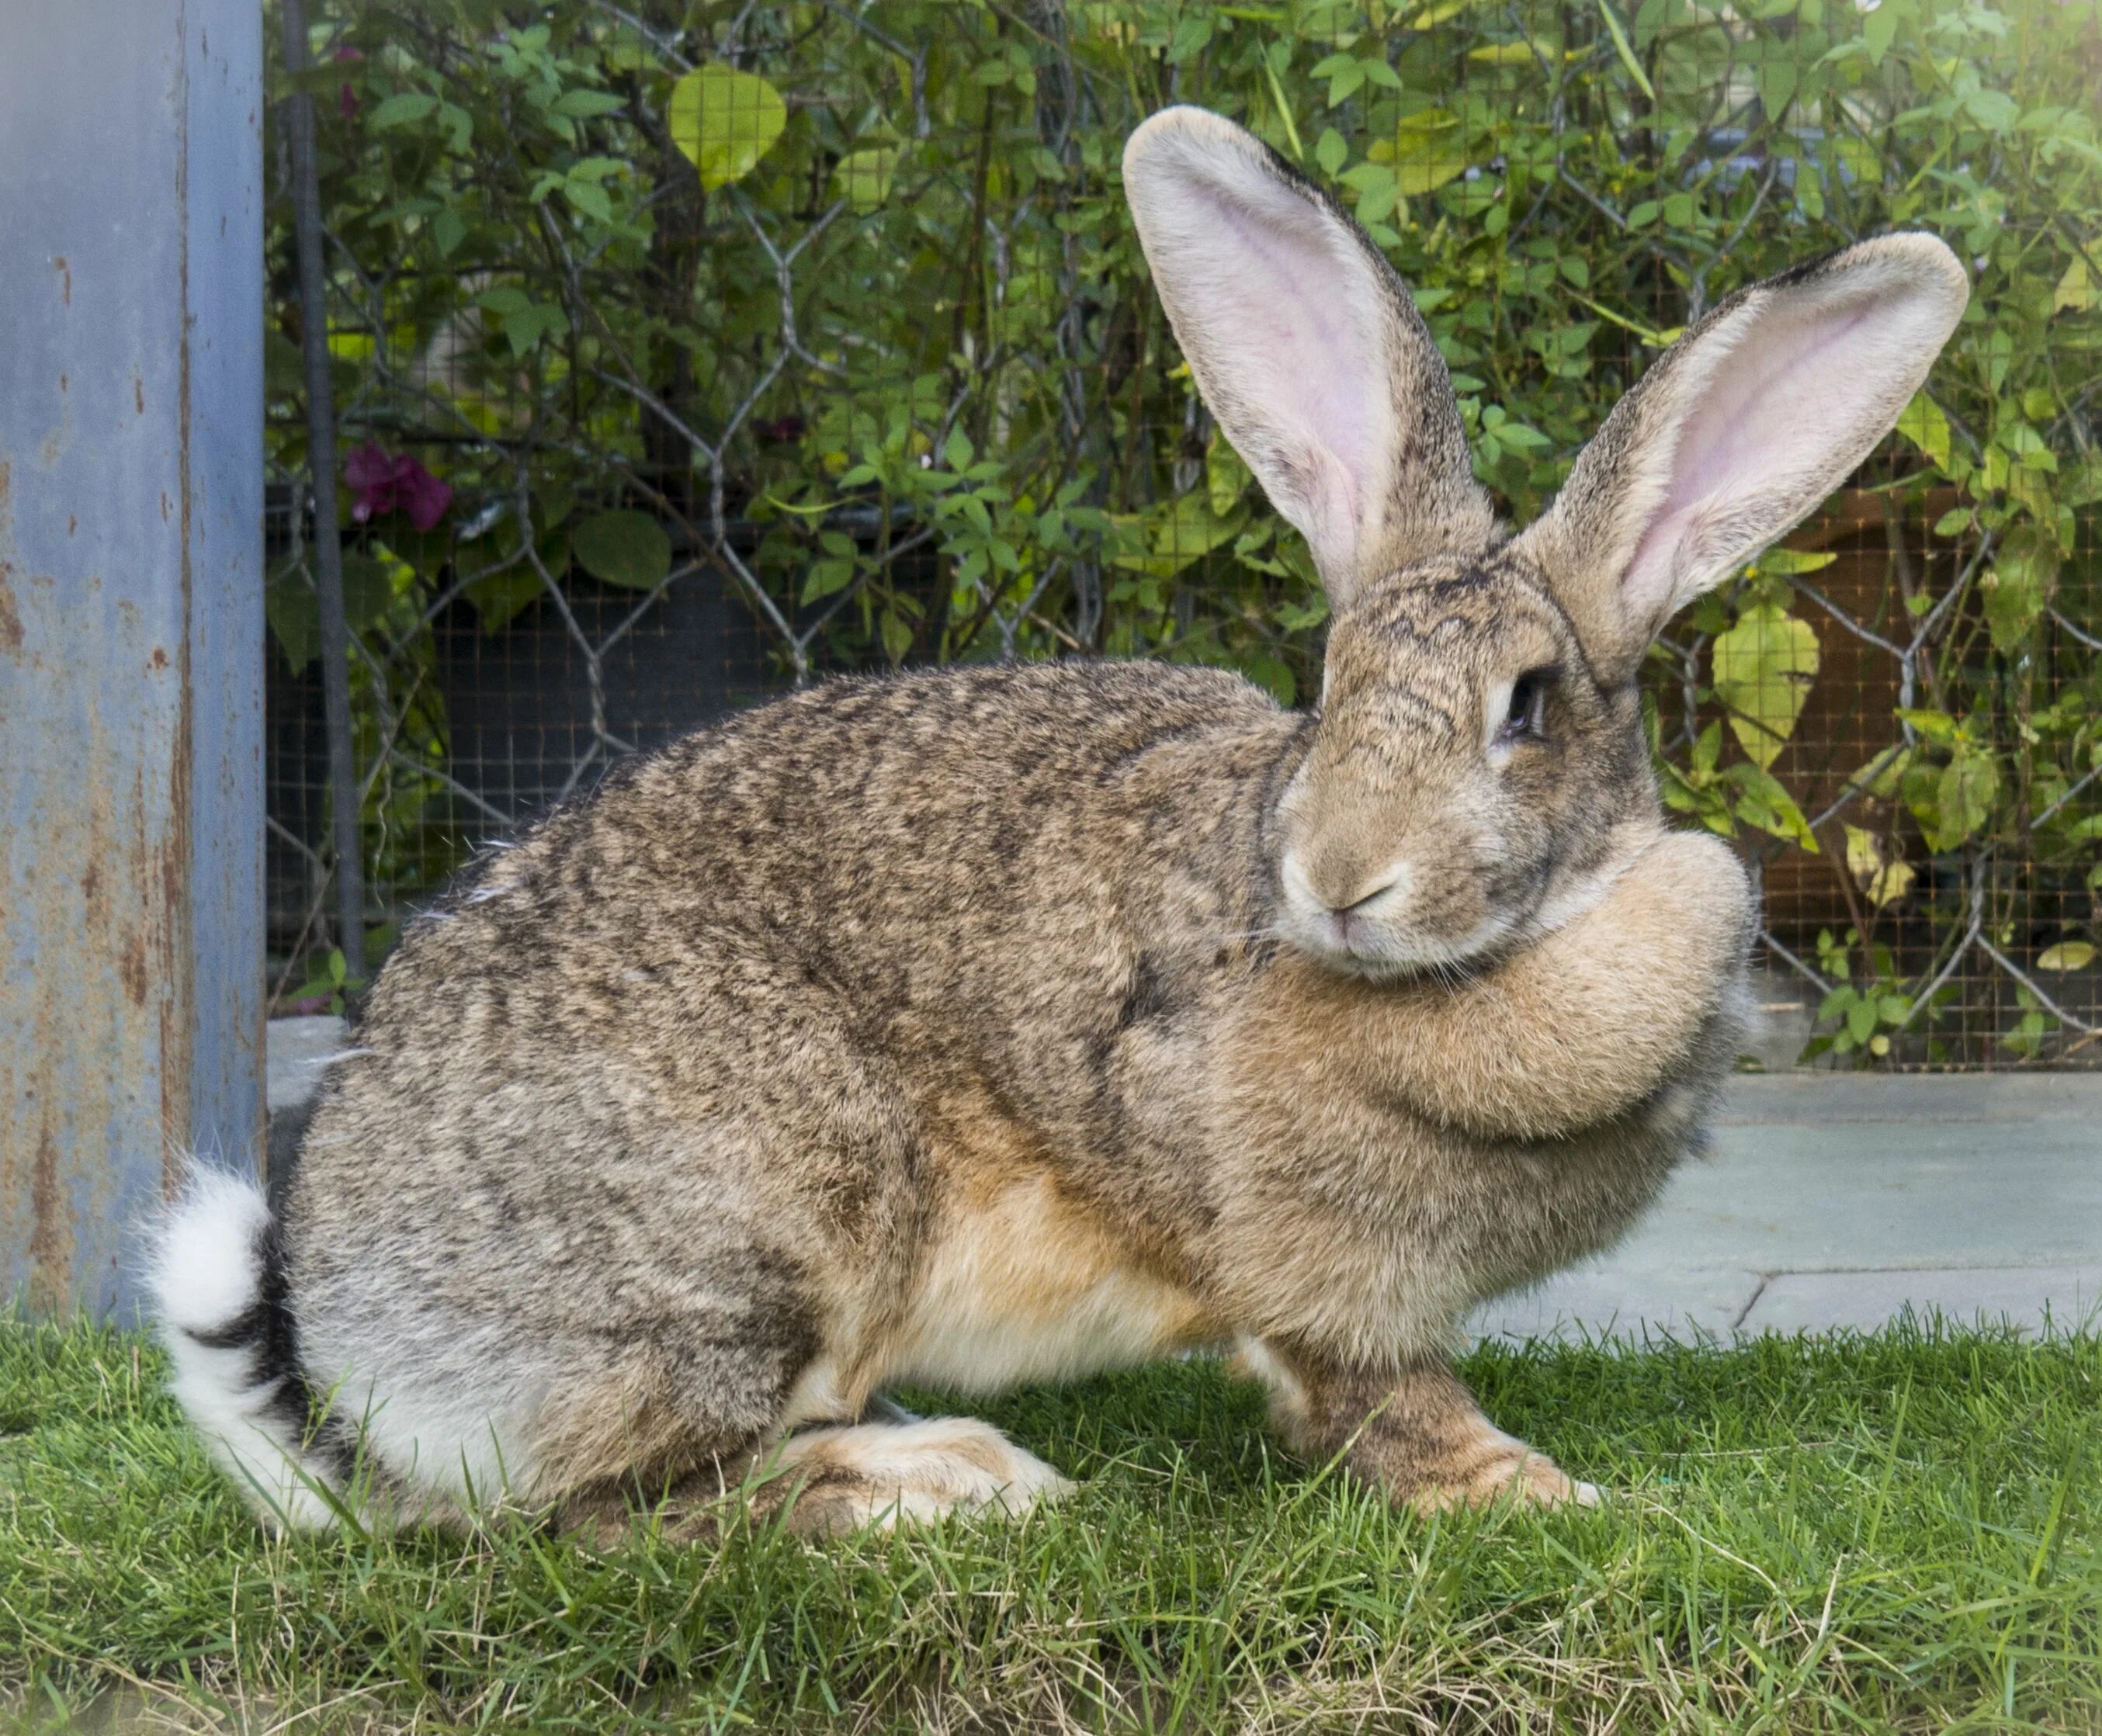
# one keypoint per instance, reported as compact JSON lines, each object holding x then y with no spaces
{"x":1738,"y":431}
{"x":1307,"y":348}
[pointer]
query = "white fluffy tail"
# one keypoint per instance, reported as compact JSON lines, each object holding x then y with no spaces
{"x":218,"y":1284}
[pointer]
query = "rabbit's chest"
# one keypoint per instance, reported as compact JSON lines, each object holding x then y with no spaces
{"x":1018,"y":1284}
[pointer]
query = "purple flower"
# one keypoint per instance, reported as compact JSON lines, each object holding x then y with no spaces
{"x":385,"y":485}
{"x":346,"y":101}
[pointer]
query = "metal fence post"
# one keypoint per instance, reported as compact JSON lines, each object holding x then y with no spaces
{"x":131,"y":624}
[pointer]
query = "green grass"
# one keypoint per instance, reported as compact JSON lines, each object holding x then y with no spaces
{"x":1890,"y":1533}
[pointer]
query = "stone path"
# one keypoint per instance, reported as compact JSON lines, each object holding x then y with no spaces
{"x":1839,"y":1199}
{"x":1831,"y":1200}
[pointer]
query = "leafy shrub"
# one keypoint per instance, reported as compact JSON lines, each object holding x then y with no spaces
{"x":836,"y":305}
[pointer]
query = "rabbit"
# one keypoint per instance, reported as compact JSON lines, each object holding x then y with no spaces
{"x":1006,"y":1023}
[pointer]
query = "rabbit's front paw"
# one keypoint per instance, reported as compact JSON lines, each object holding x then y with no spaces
{"x":1699,"y":874}
{"x":1515,"y":1473}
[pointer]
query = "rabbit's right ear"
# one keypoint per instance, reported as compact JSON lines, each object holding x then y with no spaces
{"x":1307,"y":348}
{"x":1738,"y":431}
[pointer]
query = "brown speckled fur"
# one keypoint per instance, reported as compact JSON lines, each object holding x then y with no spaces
{"x":953,"y":1028}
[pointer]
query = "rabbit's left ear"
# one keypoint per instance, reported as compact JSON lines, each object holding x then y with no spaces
{"x":1739,"y":431}
{"x":1308,"y":349}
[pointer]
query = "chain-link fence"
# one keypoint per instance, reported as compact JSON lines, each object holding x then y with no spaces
{"x":685,"y":354}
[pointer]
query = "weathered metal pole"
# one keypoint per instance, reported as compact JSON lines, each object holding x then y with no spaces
{"x":328,"y":535}
{"x":130,"y":625}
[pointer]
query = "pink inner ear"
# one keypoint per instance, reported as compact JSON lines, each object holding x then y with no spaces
{"x":1285,"y":310}
{"x":1797,"y":391}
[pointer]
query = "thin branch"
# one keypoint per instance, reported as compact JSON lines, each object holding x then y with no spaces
{"x":1794,"y":963}
{"x":2069,"y":795}
{"x":1862,"y":780}
{"x":1956,"y":957}
{"x":665,"y":43}
{"x":289,"y":837}
{"x":2085,"y":638}
{"x":507,"y":822}
{"x":1846,"y":620}
{"x":2050,"y":1006}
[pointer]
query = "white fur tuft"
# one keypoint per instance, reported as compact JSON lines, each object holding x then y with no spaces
{"x":207,"y":1279}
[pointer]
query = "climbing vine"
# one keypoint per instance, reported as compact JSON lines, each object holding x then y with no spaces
{"x":835,"y":308}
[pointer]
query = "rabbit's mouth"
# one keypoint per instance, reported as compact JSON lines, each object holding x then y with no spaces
{"x":1377,"y":956}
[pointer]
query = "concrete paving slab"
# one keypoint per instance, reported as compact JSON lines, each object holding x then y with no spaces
{"x":1973,"y":1194}
{"x":1840,"y":1172}
{"x":2061,"y":1297}
{"x":1596,"y":1299}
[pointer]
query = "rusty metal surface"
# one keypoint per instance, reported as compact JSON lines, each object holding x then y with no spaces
{"x":131,"y":624}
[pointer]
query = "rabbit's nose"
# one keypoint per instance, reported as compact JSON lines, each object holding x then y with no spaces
{"x":1327,"y":888}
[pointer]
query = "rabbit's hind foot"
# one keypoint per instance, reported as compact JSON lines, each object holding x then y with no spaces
{"x":829,"y":1480}
{"x":825,"y":1481}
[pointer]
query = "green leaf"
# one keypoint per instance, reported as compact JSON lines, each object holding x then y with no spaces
{"x":1883,"y":879}
{"x":1994,"y":110}
{"x":1193,"y":30}
{"x":579,"y":105}
{"x":1181,"y":530}
{"x":368,"y":587}
{"x":1226,"y":478}
{"x":1763,"y":667}
{"x":897,"y":636}
{"x":1924,"y":425}
{"x":1761,"y":801}
{"x":724,"y":121}
{"x":1377,"y":188}
{"x":1775,"y":80}
{"x":1437,"y":12}
{"x":825,"y":579}
{"x":590,"y":199}
{"x":863,"y":177}
{"x":1343,"y":83}
{"x":2068,"y":955}
{"x":1428,"y":150}
{"x":1330,"y":151}
{"x":294,"y":614}
{"x":2019,"y":587}
{"x":1627,"y":54}
{"x":1963,"y":797}
{"x":1272,"y":674}
{"x":2073,"y":289}
{"x":1935,"y":726}
{"x":1794,"y":560}
{"x":1861,"y":1020}
{"x":504,"y":299}
{"x":527,"y":326}
{"x":501,"y":597}
{"x":1879,"y":29}
{"x":624,"y":547}
{"x":401,"y":111}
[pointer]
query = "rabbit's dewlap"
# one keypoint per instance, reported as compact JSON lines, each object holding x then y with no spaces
{"x":1008,"y":1023}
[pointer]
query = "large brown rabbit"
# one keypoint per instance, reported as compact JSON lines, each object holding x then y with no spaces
{"x":1003,"y":1023}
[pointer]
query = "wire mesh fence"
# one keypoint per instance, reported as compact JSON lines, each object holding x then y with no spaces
{"x":686,"y":353}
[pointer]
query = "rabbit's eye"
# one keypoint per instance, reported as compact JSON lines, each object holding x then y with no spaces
{"x":1525,"y":718}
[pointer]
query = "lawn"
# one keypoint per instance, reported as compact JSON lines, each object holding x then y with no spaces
{"x":1897,"y":1532}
